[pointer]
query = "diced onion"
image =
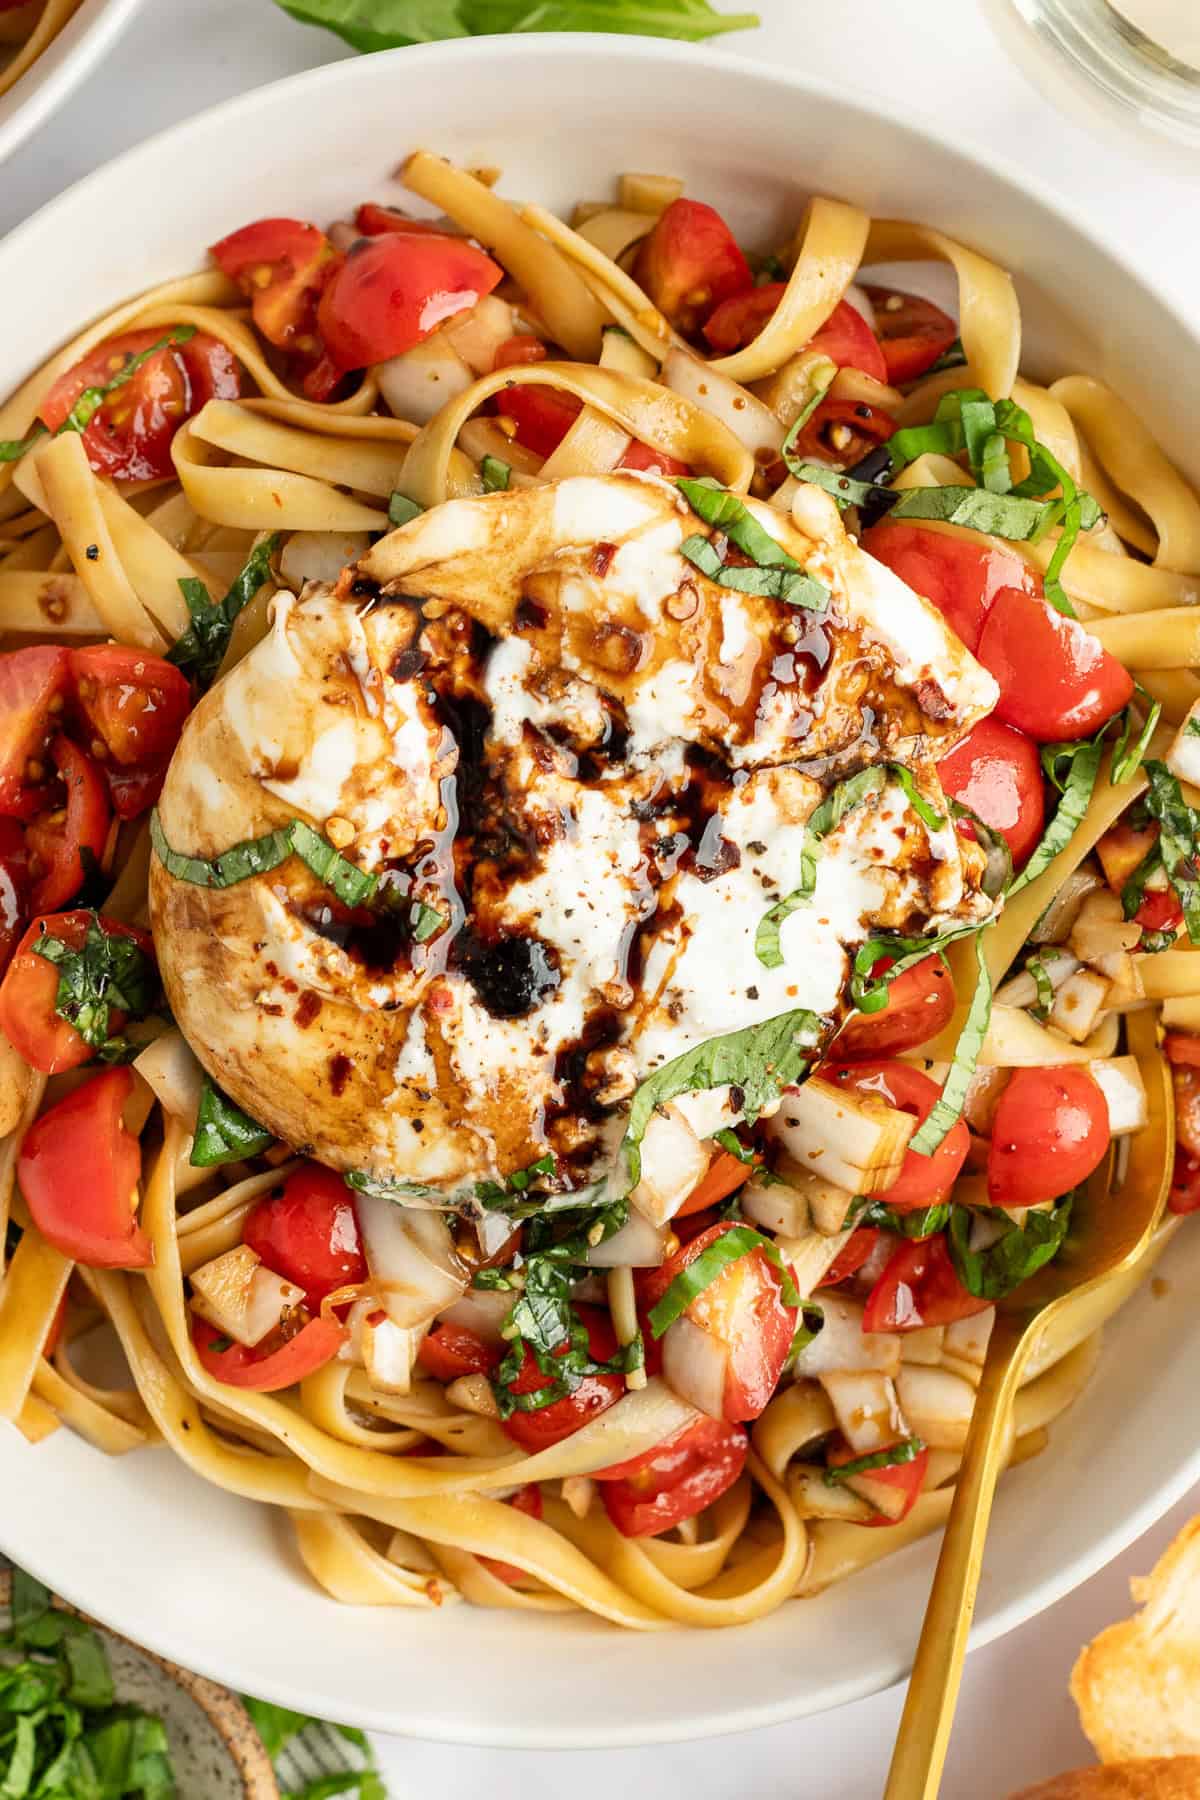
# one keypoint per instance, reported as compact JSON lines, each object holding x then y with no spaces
{"x":696,"y":1363}
{"x":171,"y":1070}
{"x":412,"y":1259}
{"x":418,"y":384}
{"x":842,"y":1343}
{"x":752,"y":423}
{"x":639,"y":1244}
{"x":320,"y":555}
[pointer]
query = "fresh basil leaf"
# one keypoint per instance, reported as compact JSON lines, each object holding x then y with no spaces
{"x":92,"y":398}
{"x":498,"y":1196}
{"x":788,"y":448}
{"x":998,"y":872}
{"x":495,"y":474}
{"x":1126,"y":757}
{"x":725,"y":512}
{"x":947,"y":1109}
{"x":387,"y":24}
{"x":1036,"y":966}
{"x":760,"y":1060}
{"x":13,"y":449}
{"x":925,"y":1223}
{"x":1178,"y":841}
{"x":869,"y":990}
{"x":953,"y":358}
{"x":795,"y":586}
{"x":733,"y":1146}
{"x":992,"y":1273}
{"x":1001,"y":515}
{"x":200,"y":651}
{"x":730,"y":1247}
{"x":402,"y":510}
{"x":812,"y":1321}
{"x":258,"y":856}
{"x":109,"y":973}
{"x":400,"y":1190}
{"x":847,"y":489}
{"x":1076,"y":796}
{"x":1134,"y":891}
{"x":224,"y":1133}
{"x":906,"y":1451}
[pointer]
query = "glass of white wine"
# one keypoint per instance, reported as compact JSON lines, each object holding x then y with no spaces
{"x":1133,"y":62}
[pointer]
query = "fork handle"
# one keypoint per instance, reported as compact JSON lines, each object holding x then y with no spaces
{"x":921,"y":1742}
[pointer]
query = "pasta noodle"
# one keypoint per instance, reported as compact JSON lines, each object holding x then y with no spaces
{"x":433,"y":1448}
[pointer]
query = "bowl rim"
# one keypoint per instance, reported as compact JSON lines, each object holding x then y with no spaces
{"x":220,"y":1705}
{"x":84,"y":41}
{"x":429,"y":60}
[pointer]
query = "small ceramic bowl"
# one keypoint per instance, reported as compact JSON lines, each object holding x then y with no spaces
{"x":216,"y":1752}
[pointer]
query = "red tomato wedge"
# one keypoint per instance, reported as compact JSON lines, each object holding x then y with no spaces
{"x":266,"y":1371}
{"x":923,"y":1180}
{"x":724,"y":1176}
{"x":1182,"y":1049}
{"x":996,"y":771}
{"x":1079,"y":685}
{"x":373,"y":221}
{"x":78,"y":1170}
{"x":27,"y":993}
{"x":56,"y":837}
{"x":851,"y":1257}
{"x":527,"y":1500}
{"x":959,"y":577}
{"x":912,"y":331}
{"x":651,"y":1493}
{"x":742,"y":1311}
{"x":920,"y":1003}
{"x":1159,"y":911}
{"x":1185,"y":1080}
{"x":919,"y":1287}
{"x":34,"y":688}
{"x":1185,"y":1185}
{"x":542,"y":416}
{"x":643,"y":456}
{"x":739,"y":320}
{"x":449,"y":1351}
{"x":390,"y":292}
{"x":548,"y":1425}
{"x":690,"y":263}
{"x":843,"y":430}
{"x":281,"y":265}
{"x":846,"y":339}
{"x":129,"y":437}
{"x":133,"y":707}
{"x":904,"y":1480}
{"x":14,"y":887}
{"x":1049,"y":1132}
{"x":307,"y":1232}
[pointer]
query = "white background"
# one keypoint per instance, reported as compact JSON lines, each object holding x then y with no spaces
{"x":1016,"y":1723}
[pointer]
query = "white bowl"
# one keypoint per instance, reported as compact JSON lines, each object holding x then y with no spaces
{"x":87,"y":36}
{"x":211,"y":1581}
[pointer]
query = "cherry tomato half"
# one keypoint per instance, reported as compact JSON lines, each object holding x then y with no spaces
{"x":846,"y":339}
{"x":281,"y":265}
{"x":1159,"y":911}
{"x":78,"y":1170}
{"x":266,"y":1371}
{"x":55,"y":838}
{"x":1049,"y":1132}
{"x":595,"y":1394}
{"x":448,"y":1351}
{"x":307,"y":1232}
{"x":373,"y":221}
{"x":905,"y":1479}
{"x":724,"y":1176}
{"x":920,"y":1003}
{"x":14,"y":887}
{"x":959,"y":577}
{"x":643,"y":456}
{"x":34,"y":688}
{"x":133,"y":706}
{"x":740,"y":319}
{"x":912,"y":331}
{"x":1185,"y":1185}
{"x":390,"y":292}
{"x":843,"y":431}
{"x":129,"y":437}
{"x":1182,"y":1048}
{"x":1185,"y":1078}
{"x":690,"y":263}
{"x":1079,"y":685}
{"x":651,"y":1493}
{"x":996,"y":771}
{"x":919,"y":1287}
{"x":27,"y":994}
{"x":541,"y":415}
{"x":743,"y":1310}
{"x":923,"y":1180}
{"x":852,"y":1255}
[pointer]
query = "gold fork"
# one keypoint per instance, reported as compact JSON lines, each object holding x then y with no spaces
{"x":1113,"y":1241}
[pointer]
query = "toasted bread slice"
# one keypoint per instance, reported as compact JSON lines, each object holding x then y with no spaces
{"x":1150,"y":1778}
{"x":1137,"y":1686}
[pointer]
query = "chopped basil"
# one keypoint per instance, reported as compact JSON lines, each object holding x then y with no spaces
{"x":13,"y":449}
{"x":1036,"y":966}
{"x":992,"y":1273}
{"x":399,"y":1190}
{"x":1083,"y":761}
{"x":258,"y":856}
{"x":200,"y":650}
{"x":1178,"y":841}
{"x":733,"y":1146}
{"x":495,"y":475}
{"x":923,"y":1224}
{"x":947,"y":1109}
{"x":825,"y":819}
{"x":1191,"y":726}
{"x":906,"y":1451}
{"x":1134,"y":891}
{"x":953,"y":358}
{"x":92,"y":398}
{"x":1002,"y":515}
{"x":730,"y":1247}
{"x":498,"y":1195}
{"x":1126,"y":757}
{"x":868,"y":990}
{"x":725,"y":512}
{"x":788,"y":447}
{"x":792,"y":585}
{"x":109,"y":973}
{"x":812,"y":1321}
{"x":776,"y":574}
{"x":998,"y":872}
{"x":224,"y":1133}
{"x":760,"y":1060}
{"x":402,"y":510}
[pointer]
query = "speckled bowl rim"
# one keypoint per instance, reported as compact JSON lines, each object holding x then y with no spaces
{"x":220,"y":1706}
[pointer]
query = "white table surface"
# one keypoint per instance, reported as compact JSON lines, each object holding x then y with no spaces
{"x":1016,"y":1723}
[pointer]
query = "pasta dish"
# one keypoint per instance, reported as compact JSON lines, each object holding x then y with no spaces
{"x":598,"y":852}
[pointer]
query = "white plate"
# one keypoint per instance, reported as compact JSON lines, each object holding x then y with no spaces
{"x":211,"y":1581}
{"x":59,"y":70}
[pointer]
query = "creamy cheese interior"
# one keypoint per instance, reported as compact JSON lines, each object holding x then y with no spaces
{"x":530,"y":713}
